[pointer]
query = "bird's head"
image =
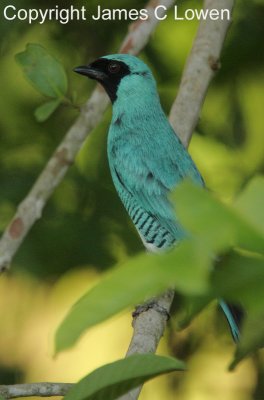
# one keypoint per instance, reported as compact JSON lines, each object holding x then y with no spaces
{"x":116,"y":71}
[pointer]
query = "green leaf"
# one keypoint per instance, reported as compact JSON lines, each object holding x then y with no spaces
{"x":43,"y":71}
{"x":220,"y":226}
{"x":250,"y":202}
{"x":113,"y":380}
{"x":240,"y":278}
{"x":192,"y":306}
{"x":1,"y":398}
{"x":252,"y":338}
{"x":186,"y":268}
{"x":45,"y":110}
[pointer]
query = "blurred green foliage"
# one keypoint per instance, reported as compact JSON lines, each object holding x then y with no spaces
{"x":214,"y":229}
{"x":84,"y":223}
{"x":113,"y":380}
{"x":46,"y":75}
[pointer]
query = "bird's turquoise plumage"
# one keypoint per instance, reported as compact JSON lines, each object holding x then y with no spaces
{"x":146,"y":158}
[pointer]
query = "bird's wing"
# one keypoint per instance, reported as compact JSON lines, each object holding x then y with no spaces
{"x":149,"y":177}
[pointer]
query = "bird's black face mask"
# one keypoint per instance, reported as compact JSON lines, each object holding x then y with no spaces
{"x":108,"y":72}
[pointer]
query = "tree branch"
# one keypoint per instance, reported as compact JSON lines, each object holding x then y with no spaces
{"x":41,"y":389}
{"x":30,"y":209}
{"x":200,"y":68}
{"x":148,"y":328}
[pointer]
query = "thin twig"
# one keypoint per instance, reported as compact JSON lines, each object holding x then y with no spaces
{"x":41,"y":389}
{"x":30,"y":209}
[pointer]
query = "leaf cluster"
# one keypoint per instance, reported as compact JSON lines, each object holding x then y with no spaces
{"x":232,"y":233}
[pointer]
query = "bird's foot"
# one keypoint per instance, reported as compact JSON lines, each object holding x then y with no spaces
{"x":151,"y":305}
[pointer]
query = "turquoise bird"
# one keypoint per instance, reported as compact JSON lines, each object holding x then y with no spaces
{"x":146,"y":158}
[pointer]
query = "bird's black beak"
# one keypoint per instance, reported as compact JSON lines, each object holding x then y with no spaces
{"x":91,"y":72}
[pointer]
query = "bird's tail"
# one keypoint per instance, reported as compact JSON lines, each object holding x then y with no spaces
{"x":234,"y":316}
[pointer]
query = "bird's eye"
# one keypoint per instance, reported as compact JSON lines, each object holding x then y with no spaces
{"x":113,"y":67}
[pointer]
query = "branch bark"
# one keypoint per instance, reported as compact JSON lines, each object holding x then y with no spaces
{"x":148,"y":328}
{"x":30,"y":209}
{"x":200,"y":68}
{"x":41,"y":389}
{"x":203,"y":62}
